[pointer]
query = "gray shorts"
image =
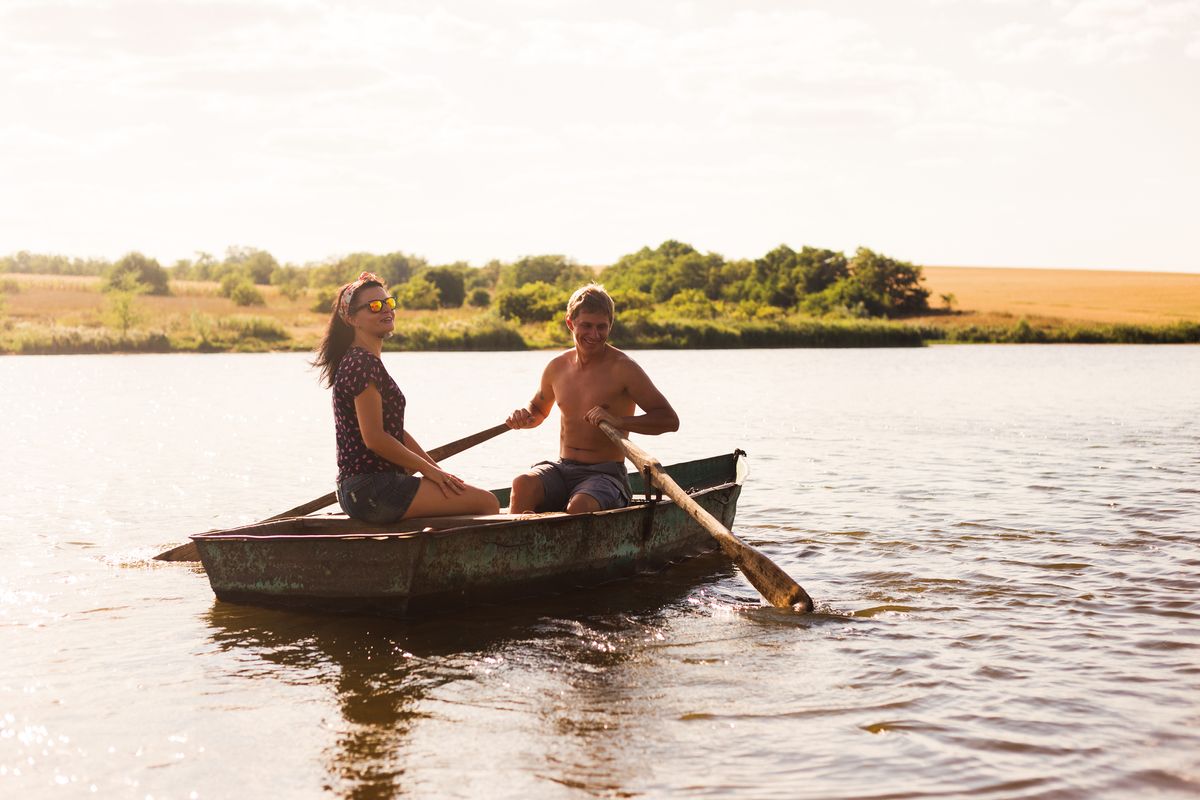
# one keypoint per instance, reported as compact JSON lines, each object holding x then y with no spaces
{"x":378,"y":497}
{"x":607,"y":482}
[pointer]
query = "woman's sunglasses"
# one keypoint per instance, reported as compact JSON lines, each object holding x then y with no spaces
{"x":377,"y":305}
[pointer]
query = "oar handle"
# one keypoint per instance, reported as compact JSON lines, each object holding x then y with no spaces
{"x":467,"y":442}
{"x":772,"y":582}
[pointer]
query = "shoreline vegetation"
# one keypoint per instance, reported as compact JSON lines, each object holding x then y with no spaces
{"x":669,"y":297}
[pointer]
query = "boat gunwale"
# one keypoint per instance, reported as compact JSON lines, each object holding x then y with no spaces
{"x":245,"y":533}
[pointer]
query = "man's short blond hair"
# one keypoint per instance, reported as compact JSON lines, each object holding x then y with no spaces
{"x":592,"y":299}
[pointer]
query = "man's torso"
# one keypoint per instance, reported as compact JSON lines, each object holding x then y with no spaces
{"x":578,"y":388}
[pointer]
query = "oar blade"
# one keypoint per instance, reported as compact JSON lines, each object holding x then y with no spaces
{"x":184,"y":552}
{"x":775,"y":585}
{"x":764,"y":574}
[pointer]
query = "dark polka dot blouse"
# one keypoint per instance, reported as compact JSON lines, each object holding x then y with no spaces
{"x":357,"y":369}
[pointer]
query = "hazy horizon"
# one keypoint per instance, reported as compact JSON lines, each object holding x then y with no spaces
{"x":1005,"y":134}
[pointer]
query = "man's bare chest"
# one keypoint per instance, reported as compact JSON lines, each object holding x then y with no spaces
{"x":581,"y":392}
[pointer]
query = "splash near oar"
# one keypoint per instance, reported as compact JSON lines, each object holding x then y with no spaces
{"x":771,"y":581}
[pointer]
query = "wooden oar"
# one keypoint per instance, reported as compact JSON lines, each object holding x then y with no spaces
{"x":188,"y":552}
{"x":772,"y":582}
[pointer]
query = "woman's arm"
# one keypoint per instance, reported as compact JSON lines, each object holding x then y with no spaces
{"x":411,"y":443}
{"x":368,"y":407}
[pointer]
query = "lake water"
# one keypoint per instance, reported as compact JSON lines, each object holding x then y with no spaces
{"x":1002,"y":542}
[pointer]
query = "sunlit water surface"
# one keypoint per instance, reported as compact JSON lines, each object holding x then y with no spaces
{"x":1002,"y":542}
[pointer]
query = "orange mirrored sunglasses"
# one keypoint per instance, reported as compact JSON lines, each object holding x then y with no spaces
{"x":377,"y":305}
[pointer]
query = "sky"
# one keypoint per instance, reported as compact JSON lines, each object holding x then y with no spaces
{"x":1016,"y":133}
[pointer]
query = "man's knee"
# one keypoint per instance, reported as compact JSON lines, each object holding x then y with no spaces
{"x":582,"y":504}
{"x":526,"y":483}
{"x":527,"y":490}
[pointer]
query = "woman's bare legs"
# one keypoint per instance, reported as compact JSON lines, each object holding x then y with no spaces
{"x":431,"y":502}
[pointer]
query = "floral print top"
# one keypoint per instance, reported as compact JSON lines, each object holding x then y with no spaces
{"x":357,"y":369}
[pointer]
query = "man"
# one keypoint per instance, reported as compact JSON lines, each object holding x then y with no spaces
{"x":593,"y":382}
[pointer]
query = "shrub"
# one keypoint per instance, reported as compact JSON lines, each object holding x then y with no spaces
{"x":133,"y":271}
{"x":479,"y":298}
{"x":245,"y":293}
{"x":533,"y":302}
{"x":418,"y":293}
{"x":122,"y":312}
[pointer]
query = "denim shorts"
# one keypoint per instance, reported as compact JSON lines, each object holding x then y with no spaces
{"x":377,"y":497}
{"x":607,"y":482}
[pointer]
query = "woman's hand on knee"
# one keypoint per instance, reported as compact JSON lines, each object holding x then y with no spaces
{"x":447,"y":483}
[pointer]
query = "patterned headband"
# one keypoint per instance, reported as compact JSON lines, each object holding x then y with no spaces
{"x":347,"y":292}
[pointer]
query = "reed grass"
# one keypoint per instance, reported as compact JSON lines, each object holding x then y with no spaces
{"x":23,"y":339}
{"x":481,"y":332}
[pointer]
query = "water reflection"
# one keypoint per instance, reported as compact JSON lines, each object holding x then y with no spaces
{"x":564,"y":670}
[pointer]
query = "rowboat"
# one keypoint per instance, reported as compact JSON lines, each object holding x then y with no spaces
{"x":332,"y":562}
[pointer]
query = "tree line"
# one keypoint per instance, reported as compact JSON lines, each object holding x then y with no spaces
{"x":672,"y":278}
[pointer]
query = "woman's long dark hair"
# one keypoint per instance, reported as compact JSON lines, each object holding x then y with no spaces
{"x":337,"y":340}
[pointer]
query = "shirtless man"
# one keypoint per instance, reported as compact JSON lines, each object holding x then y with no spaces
{"x":592,"y":382}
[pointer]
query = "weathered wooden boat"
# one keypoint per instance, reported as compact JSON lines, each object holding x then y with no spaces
{"x":333,"y":562}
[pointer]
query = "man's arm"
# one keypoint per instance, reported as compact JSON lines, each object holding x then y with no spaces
{"x":536,"y":411}
{"x":659,"y":416}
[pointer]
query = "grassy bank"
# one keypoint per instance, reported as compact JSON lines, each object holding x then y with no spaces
{"x":69,"y":314}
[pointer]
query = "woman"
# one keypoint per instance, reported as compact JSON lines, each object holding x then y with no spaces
{"x":377,"y":457}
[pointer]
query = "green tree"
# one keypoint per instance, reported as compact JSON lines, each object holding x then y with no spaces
{"x":816,"y":269}
{"x":203,"y":266}
{"x":533,"y":302}
{"x":555,"y":270}
{"x":666,"y":270}
{"x":691,"y":304}
{"x":895,"y":286}
{"x":877,"y":286}
{"x":260,"y":266}
{"x":134,"y":269}
{"x":485,"y":277}
{"x":450,"y":283}
{"x":291,"y":281}
{"x":418,"y":293}
{"x":396,"y":268}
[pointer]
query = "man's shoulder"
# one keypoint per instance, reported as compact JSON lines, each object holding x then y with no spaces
{"x":563,"y":359}
{"x":620,"y":360}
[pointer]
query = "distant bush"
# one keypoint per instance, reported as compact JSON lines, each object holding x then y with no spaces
{"x":418,"y":293}
{"x":533,"y":302}
{"x":135,"y":272}
{"x":479,"y":298}
{"x":122,"y":311}
{"x":245,"y":293}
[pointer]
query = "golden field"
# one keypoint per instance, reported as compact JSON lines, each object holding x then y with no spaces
{"x":1143,"y":298}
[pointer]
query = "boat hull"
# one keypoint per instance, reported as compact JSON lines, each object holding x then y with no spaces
{"x":340,"y":564}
